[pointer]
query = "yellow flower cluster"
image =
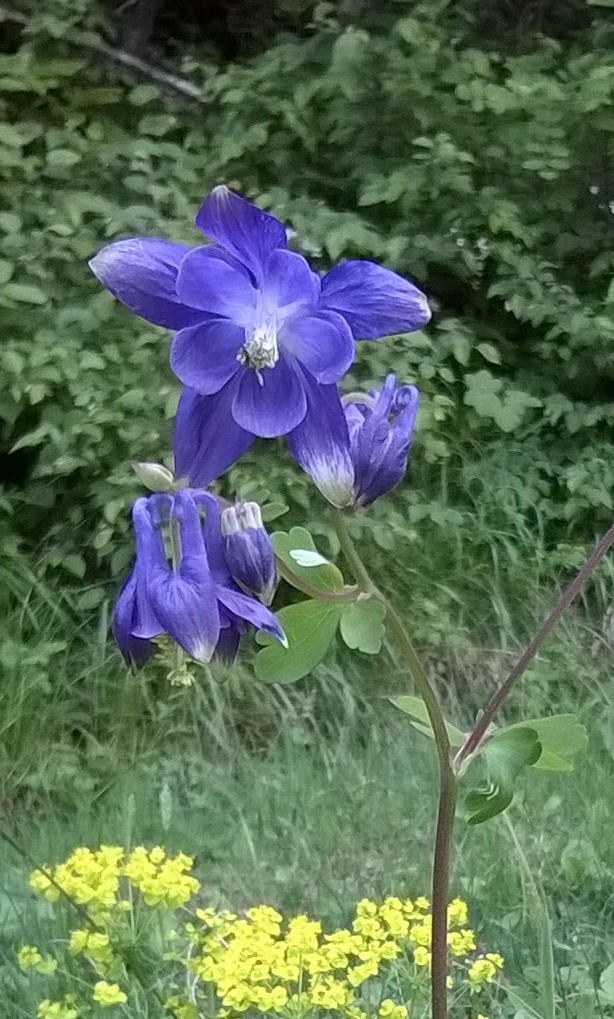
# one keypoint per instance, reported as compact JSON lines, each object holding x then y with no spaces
{"x":29,"y":957}
{"x":93,"y":878}
{"x":257,"y":962}
{"x":58,"y":1009}
{"x":484,"y":970}
{"x":260,"y":962}
{"x":108,"y":994}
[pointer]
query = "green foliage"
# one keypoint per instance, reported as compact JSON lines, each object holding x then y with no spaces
{"x":560,"y":738}
{"x":507,"y":754}
{"x":309,"y":627}
{"x":416,"y":709}
{"x":480,"y":172}
{"x":293,"y":549}
{"x":362,"y":625}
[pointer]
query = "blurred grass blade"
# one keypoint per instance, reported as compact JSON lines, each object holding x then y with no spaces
{"x":546,"y":962}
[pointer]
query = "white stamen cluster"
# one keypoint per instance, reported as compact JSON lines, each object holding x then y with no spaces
{"x":260,"y":349}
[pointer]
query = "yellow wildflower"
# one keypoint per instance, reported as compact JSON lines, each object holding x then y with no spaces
{"x":57,"y":1009}
{"x":422,"y":956}
{"x":108,"y":994}
{"x":461,"y":942}
{"x":389,"y":1010}
{"x":331,"y":994}
{"x":29,"y":957}
{"x":457,"y":913}
{"x":484,"y":970}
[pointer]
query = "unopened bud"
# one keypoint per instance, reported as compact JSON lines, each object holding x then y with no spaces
{"x":155,"y":477}
{"x":249,"y":552}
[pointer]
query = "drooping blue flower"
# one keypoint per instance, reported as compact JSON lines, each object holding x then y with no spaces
{"x":249,"y":552}
{"x":370,"y":457}
{"x":259,"y":335}
{"x":192,"y":599}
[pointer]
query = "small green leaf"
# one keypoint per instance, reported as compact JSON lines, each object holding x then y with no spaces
{"x":489,"y":352}
{"x":506,"y":754}
{"x":606,"y":984}
{"x":325,"y":576}
{"x":75,"y":564}
{"x":362,"y":626}
{"x":561,"y":736}
{"x":309,"y":628}
{"x":6,"y":271}
{"x":157,"y":124}
{"x":416,"y":707}
{"x":62,"y":157}
{"x":272,"y":510}
{"x":24,"y":293}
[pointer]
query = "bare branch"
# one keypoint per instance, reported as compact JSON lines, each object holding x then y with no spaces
{"x":91,"y":42}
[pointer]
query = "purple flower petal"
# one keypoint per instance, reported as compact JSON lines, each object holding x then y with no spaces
{"x":212,"y":281}
{"x":321,"y":444}
{"x":200,"y":421}
{"x":184,"y":600}
{"x":141,"y":273}
{"x":370,"y":446}
{"x":274,"y":406}
{"x":289,"y":283}
{"x":204,"y":357}
{"x":244,"y":607}
{"x":212,"y":534}
{"x":135,"y":650}
{"x":228,"y":644}
{"x":322,"y":342}
{"x":374,"y":301}
{"x":240,"y":227}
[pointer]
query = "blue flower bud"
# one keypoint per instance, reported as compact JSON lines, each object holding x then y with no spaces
{"x":249,"y":552}
{"x":381,"y":426}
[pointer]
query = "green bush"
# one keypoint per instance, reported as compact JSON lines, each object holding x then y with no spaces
{"x":483,"y":174}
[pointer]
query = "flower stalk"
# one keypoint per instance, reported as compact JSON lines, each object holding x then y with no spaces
{"x":447,"y":775}
{"x":450,"y":769}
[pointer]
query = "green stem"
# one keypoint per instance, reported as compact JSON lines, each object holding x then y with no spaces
{"x":447,"y":777}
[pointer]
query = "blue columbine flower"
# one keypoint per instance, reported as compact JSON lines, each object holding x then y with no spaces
{"x":370,"y":458}
{"x":193,"y":599}
{"x":249,"y":552}
{"x":260,"y":339}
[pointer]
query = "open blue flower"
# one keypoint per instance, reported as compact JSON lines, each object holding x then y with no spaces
{"x":368,"y":457}
{"x":258,"y":333}
{"x":193,"y":600}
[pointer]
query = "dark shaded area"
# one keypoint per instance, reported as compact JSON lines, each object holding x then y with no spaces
{"x":238,"y":28}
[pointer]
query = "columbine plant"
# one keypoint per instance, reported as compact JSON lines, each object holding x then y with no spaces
{"x":261,"y":342}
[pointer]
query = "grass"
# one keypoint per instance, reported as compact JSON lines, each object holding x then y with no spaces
{"x":311,"y":797}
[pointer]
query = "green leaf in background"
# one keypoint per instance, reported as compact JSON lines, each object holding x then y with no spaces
{"x":309,"y":628}
{"x":272,"y":510}
{"x":24,"y":293}
{"x":325,"y":576}
{"x":606,"y":984}
{"x":362,"y":625}
{"x":506,"y":754}
{"x":560,"y":736}
{"x":416,"y":707}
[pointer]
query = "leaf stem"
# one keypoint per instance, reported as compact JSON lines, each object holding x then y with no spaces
{"x":480,"y":730}
{"x":447,"y":776}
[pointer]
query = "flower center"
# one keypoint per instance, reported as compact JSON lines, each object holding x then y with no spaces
{"x":260,"y":348}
